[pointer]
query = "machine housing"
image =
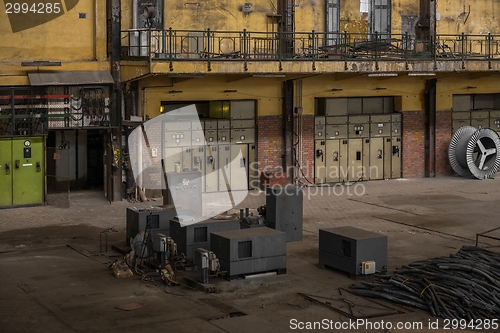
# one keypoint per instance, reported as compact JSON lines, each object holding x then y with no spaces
{"x":250,"y":251}
{"x":348,"y":248}
{"x":197,"y":235}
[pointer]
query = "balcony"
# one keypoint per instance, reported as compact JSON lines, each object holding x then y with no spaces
{"x":219,"y":52}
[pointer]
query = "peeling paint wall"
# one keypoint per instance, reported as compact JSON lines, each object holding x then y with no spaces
{"x":310,"y":15}
{"x":455,"y":18}
{"x":401,"y":8}
{"x":351,"y":19}
{"x":223,"y":15}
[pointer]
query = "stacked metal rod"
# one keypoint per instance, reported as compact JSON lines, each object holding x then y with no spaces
{"x":461,"y":286}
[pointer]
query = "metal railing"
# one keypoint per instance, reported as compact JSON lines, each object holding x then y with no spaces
{"x":185,"y":45}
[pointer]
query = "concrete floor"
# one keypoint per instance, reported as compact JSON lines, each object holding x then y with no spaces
{"x":54,"y":278}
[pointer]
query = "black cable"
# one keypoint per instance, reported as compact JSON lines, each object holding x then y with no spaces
{"x":175,"y":294}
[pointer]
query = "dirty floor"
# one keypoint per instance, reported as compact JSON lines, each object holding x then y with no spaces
{"x":55,"y":278}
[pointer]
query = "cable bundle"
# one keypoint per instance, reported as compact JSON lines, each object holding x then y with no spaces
{"x":461,"y":286}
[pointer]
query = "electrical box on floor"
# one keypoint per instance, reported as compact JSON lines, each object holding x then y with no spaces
{"x":368,"y":267}
{"x":352,"y":250}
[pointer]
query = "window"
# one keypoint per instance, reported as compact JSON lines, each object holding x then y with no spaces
{"x":364,"y":6}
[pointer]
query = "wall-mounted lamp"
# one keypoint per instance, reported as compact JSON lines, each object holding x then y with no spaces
{"x":421,"y":74}
{"x":230,"y":90}
{"x":39,"y":63}
{"x":183,"y":75}
{"x":175,"y":91}
{"x":382,"y":74}
{"x":268,"y":75}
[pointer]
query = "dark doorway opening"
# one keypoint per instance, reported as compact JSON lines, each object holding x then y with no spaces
{"x":95,"y":160}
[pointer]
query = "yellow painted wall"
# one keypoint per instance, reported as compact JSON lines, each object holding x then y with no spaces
{"x":483,"y":17}
{"x":462,"y":84}
{"x":126,"y":18}
{"x":79,"y":44}
{"x":351,"y":19}
{"x":66,"y":38}
{"x":266,"y":91}
{"x":310,"y":15}
{"x":223,"y":15}
{"x":226,"y":15}
{"x":402,"y":8}
{"x":409,"y":90}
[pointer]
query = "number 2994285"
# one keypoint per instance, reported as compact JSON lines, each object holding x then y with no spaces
{"x":34,"y":8}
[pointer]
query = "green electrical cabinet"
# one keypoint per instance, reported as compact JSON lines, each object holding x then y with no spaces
{"x":22,"y":171}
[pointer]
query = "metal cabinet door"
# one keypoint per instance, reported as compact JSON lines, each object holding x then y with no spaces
{"x":319,"y":161}
{"x":239,"y":167}
{"x":187,"y":155}
{"x":396,"y":157}
{"x":332,"y":161}
{"x":198,"y":162}
{"x":211,"y":168}
{"x":343,"y":160}
{"x":387,"y":157}
{"x":6,"y":172}
{"x":253,"y":167}
{"x":365,"y":171}
{"x":480,"y":123}
{"x":376,"y":168}
{"x":171,"y":157}
{"x":28,"y":171}
{"x":224,"y":167}
{"x":355,"y":149}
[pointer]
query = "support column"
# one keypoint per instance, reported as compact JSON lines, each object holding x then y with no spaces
{"x":287,"y":119}
{"x":430,"y":127}
{"x":114,"y":172}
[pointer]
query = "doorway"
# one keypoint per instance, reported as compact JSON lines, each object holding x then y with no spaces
{"x":95,"y":159}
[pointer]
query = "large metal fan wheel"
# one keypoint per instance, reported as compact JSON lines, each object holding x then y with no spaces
{"x":475,"y":152}
{"x":457,"y":151}
{"x":483,"y":153}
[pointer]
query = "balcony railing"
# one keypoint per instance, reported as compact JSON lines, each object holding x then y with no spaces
{"x":175,"y":45}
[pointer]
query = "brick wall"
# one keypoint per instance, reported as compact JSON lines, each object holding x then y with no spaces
{"x":443,"y":138}
{"x":307,"y":151}
{"x":414,"y":143}
{"x":270,"y":148}
{"x":270,"y":145}
{"x":413,"y":160}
